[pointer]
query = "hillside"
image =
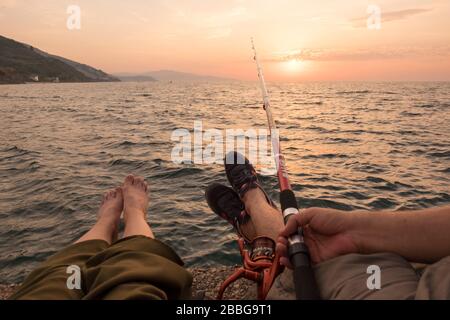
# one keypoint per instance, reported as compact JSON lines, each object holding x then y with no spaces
{"x":170,"y":75}
{"x":135,"y":78}
{"x":20,"y":63}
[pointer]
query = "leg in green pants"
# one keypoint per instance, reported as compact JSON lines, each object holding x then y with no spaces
{"x":135,"y":267}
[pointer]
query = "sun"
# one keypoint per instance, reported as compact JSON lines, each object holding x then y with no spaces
{"x":293,"y":65}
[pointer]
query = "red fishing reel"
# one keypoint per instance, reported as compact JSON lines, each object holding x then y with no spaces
{"x":259,"y":264}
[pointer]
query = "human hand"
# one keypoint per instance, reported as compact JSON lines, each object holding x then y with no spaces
{"x":328,"y":233}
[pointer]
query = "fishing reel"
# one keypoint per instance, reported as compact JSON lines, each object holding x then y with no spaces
{"x":260,"y":264}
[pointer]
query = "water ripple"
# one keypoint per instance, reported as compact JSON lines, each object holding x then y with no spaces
{"x":347,"y":146}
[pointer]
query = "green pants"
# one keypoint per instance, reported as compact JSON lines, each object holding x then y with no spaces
{"x":132,"y":268}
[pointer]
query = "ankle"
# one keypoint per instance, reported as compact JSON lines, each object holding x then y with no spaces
{"x":107,"y":221}
{"x":255,"y":200}
{"x":134,"y":214}
{"x":257,"y":207}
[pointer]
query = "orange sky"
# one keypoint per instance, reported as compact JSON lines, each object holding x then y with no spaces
{"x":297,"y":40}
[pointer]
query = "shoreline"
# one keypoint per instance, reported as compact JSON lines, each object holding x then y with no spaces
{"x":205,"y":286}
{"x":60,"y":82}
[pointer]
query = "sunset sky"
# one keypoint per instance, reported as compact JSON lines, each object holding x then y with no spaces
{"x":298,"y":40}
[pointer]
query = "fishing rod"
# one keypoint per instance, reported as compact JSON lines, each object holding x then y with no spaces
{"x":304,"y":280}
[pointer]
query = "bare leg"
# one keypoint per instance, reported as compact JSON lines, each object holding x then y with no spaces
{"x":135,"y":199}
{"x":265,"y":220}
{"x":108,"y":218}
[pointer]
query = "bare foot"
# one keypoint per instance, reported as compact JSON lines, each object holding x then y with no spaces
{"x":108,"y":218}
{"x":135,"y":197}
{"x":111,"y":209}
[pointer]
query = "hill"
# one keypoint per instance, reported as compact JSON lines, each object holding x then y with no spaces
{"x":136,"y":78}
{"x":170,"y":75}
{"x":20,"y":63}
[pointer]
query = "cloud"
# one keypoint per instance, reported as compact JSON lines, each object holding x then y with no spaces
{"x":390,"y":16}
{"x":237,"y":11}
{"x":138,"y":16}
{"x":208,"y":20}
{"x":311,"y":54}
{"x":215,"y":33}
{"x":8,"y":3}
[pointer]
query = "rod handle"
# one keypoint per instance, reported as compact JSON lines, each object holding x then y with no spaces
{"x":304,"y":279}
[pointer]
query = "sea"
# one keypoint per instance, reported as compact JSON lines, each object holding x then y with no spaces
{"x":348,"y":145}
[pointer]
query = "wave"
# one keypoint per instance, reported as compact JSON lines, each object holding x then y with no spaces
{"x":425,"y":106}
{"x":368,"y":168}
{"x":18,"y":159}
{"x":407,"y":132}
{"x":355,"y":131}
{"x":383,"y":203}
{"x":443,"y":154}
{"x":410,"y":114}
{"x":426,"y":202}
{"x":23,"y":166}
{"x":388,"y":92}
{"x":355,"y":195}
{"x":353,"y":92}
{"x":318,"y":103}
{"x":376,"y":179}
{"x":325,"y":156}
{"x":129,"y":164}
{"x":387,"y":100}
{"x":333,"y":140}
{"x":320,"y":129}
{"x":324,"y":203}
{"x":177,"y":173}
{"x":18,"y":150}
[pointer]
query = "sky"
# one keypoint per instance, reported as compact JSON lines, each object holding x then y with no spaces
{"x":297,"y":40}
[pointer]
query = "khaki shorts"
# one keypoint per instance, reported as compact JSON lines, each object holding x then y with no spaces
{"x":346,"y":277}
